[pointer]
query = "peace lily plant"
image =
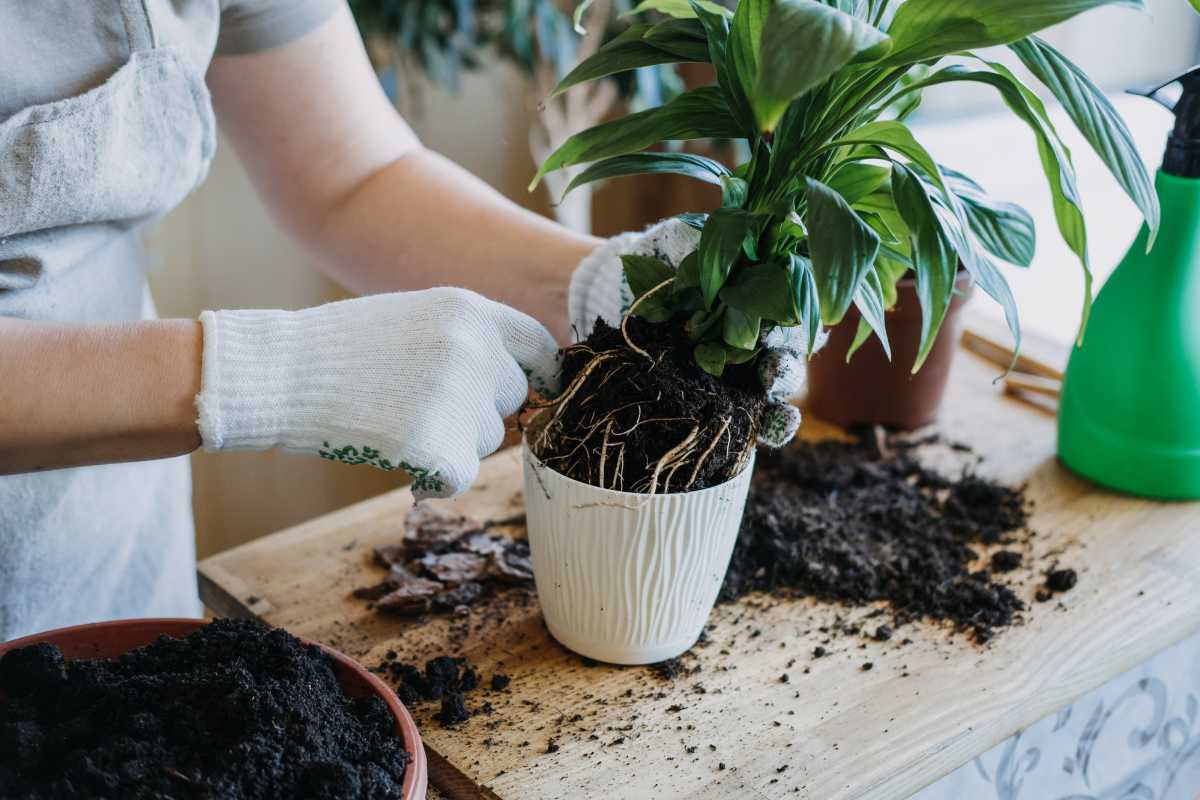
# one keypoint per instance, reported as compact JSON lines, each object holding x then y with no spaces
{"x":839,"y":199}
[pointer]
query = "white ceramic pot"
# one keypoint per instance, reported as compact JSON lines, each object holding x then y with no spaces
{"x":628,"y":578}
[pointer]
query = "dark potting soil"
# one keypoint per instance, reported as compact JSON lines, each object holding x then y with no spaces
{"x":658,"y":421}
{"x":865,"y":521}
{"x":234,"y":710}
{"x":444,"y":680}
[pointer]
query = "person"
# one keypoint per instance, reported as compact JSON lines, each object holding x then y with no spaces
{"x":106,"y":122}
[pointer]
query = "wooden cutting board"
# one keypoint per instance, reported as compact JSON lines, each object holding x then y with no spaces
{"x":737,"y":728}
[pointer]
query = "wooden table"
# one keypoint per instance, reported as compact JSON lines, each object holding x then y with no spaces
{"x":735,"y":728}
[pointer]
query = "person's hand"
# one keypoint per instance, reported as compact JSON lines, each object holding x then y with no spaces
{"x":416,"y":381}
{"x":598,"y":289}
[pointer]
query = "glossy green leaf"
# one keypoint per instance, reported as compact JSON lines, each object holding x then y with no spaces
{"x":861,"y":334}
{"x":803,"y":43}
{"x":853,"y":181}
{"x":680,"y":9}
{"x":842,"y":248}
{"x":732,"y":85}
{"x":643,"y":273}
{"x":763,"y":290}
{"x":696,"y":114}
{"x":683,"y":37}
{"x":926,"y":29}
{"x":711,"y":357}
{"x":737,"y":355}
{"x":733,"y":191}
{"x":693,"y":166}
{"x":687,"y":276}
{"x":740,"y":329}
{"x":624,"y":52}
{"x":720,"y":245}
{"x":933,"y":255}
{"x":1006,"y":230}
{"x":1054,"y":157}
{"x":805,"y":299}
{"x":745,"y":40}
{"x":1097,"y":120}
{"x":894,"y":136}
{"x":869,"y":300}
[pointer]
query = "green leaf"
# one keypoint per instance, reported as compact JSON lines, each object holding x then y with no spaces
{"x":720,"y":243}
{"x":805,"y":299}
{"x":764,"y":291}
{"x":927,"y":29}
{"x":842,"y":247}
{"x":853,"y":180}
{"x":860,"y":338}
{"x":733,"y":191}
{"x":683,"y":37}
{"x":740,"y":329}
{"x":1004,"y":229}
{"x":680,"y":9}
{"x":1054,"y":156}
{"x":732,"y":85}
{"x":693,"y":166}
{"x":1097,"y":120}
{"x":803,"y":43}
{"x":625,"y":52}
{"x":895,"y":136}
{"x":697,"y":114}
{"x":687,"y":276}
{"x":745,"y":40}
{"x":643,"y":274}
{"x":737,"y":355}
{"x":869,"y":301}
{"x":934,"y":258}
{"x":711,"y":357}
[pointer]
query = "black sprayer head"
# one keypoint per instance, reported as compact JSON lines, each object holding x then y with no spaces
{"x":1183,"y":145}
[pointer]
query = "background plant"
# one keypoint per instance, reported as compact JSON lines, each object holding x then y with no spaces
{"x":838,"y":199}
{"x":443,"y":39}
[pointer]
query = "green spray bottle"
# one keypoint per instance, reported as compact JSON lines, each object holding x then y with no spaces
{"x":1129,"y":413}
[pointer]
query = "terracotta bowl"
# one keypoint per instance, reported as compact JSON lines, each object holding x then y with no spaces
{"x":112,"y":639}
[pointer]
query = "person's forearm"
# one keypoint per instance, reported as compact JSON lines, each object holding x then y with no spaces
{"x":95,"y":393}
{"x":424,"y":221}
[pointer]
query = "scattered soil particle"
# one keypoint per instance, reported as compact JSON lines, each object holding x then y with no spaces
{"x":864,"y":521}
{"x":552,"y":747}
{"x":235,"y":709}
{"x":500,"y":682}
{"x":659,"y":421}
{"x":454,"y":709}
{"x":882,"y":634}
{"x":1005,"y":560}
{"x":445,"y":564}
{"x":1061,"y":580}
{"x":867,"y":667}
{"x":444,"y":679}
{"x":819,"y":652}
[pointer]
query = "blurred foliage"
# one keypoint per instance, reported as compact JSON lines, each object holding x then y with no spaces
{"x":446,"y":38}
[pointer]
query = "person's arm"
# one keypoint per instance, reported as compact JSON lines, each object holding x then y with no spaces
{"x":346,"y":176}
{"x":79,"y":394}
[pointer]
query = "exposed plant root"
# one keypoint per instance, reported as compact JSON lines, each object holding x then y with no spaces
{"x":646,"y":420}
{"x":629,"y":313}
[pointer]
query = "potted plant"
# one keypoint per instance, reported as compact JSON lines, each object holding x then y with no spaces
{"x":837,"y":203}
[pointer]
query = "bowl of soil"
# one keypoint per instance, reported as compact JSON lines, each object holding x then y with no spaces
{"x":635,"y":480}
{"x":185,"y":707}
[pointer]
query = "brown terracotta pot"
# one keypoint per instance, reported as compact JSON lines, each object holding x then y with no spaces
{"x":112,"y":639}
{"x":870,"y":390}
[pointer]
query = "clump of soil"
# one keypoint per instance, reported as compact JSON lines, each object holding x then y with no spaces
{"x":648,"y":422}
{"x":446,"y":680}
{"x":864,"y":521}
{"x":234,"y":710}
{"x":445,"y":563}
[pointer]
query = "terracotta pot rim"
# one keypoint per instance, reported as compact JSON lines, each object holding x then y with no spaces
{"x":415,"y":777}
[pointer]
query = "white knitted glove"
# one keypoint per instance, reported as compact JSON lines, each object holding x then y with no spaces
{"x":598,"y":289}
{"x":418,"y":381}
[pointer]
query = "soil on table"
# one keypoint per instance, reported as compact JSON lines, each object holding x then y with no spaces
{"x":866,"y":521}
{"x":234,"y":710}
{"x":652,"y":422}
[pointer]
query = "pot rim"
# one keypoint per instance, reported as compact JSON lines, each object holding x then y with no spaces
{"x":617,"y":495}
{"x":415,"y":775}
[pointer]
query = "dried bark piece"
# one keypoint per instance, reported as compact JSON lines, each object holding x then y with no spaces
{"x":427,"y":525}
{"x":411,"y":598}
{"x":455,"y":568}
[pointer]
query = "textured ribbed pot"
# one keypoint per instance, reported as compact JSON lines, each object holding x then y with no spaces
{"x":870,"y":389}
{"x":628,"y":578}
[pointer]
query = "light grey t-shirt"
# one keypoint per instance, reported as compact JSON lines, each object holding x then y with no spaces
{"x":105,"y":123}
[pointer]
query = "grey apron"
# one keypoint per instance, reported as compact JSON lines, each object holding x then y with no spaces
{"x":77,"y":177}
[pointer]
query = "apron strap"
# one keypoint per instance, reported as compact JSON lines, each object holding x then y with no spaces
{"x":137,"y":25}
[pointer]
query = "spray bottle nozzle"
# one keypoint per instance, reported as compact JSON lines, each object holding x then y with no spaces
{"x":1183,"y":145}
